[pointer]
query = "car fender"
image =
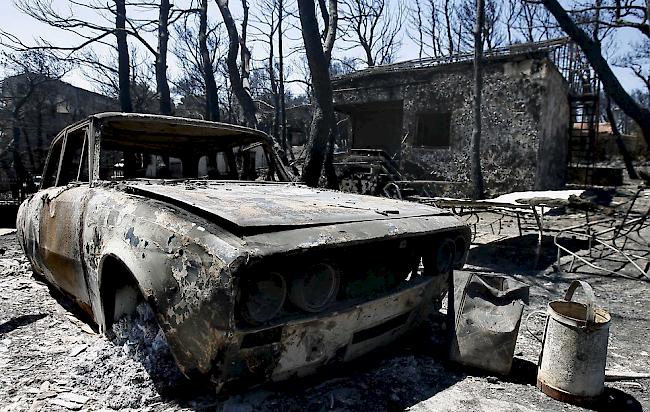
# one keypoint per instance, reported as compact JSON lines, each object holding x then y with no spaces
{"x":182,"y":268}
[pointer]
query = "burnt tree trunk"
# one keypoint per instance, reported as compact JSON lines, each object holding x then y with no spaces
{"x":245,"y":53}
{"x":286,"y":144}
{"x":124,"y":69}
{"x":19,"y":167}
{"x":619,"y":141}
{"x":243,"y":95}
{"x":211,"y":95}
{"x":274,"y":87}
{"x":450,"y":37}
{"x":611,"y":85}
{"x":283,"y":108}
{"x":211,"y":91}
{"x":281,"y":148}
{"x":477,"y":174}
{"x":328,"y":46}
{"x":323,"y":122}
{"x":162,"y":84}
{"x":366,"y":49}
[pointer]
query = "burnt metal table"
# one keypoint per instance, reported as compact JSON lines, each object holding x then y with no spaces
{"x":615,"y":235}
{"x":464,"y":207}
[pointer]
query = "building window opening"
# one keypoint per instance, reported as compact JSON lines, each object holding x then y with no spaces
{"x":433,"y":130}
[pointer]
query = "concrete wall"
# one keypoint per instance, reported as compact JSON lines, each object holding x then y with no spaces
{"x":554,"y":124}
{"x":607,"y":149}
{"x":525,"y":121}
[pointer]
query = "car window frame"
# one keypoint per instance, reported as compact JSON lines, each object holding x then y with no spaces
{"x":58,"y":139}
{"x":64,"y":144}
{"x":63,"y":149}
{"x":62,"y":138}
{"x":84,"y":151}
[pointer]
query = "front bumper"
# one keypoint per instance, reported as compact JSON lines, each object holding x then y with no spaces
{"x":300,"y":347}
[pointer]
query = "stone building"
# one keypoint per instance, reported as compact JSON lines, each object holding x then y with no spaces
{"x":420,"y":112}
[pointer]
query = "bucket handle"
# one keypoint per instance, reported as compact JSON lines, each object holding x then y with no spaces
{"x":591,"y":298}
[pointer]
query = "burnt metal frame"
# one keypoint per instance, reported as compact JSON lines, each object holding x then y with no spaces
{"x":474,"y":207}
{"x":610,"y":235}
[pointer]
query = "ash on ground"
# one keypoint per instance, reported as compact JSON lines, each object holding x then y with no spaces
{"x":52,"y":359}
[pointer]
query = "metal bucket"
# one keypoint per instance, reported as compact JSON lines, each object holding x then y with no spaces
{"x":571,"y":366}
{"x":486,"y":315}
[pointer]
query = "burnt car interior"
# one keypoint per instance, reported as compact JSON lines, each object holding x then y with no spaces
{"x":169,"y":151}
{"x":161,"y":151}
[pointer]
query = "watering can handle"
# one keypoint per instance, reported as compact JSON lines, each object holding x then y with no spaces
{"x":589,"y":292}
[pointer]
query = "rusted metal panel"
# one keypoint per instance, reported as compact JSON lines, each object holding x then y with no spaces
{"x":308,"y":344}
{"x":301,"y":239}
{"x":263,"y":205}
{"x":59,"y":248}
{"x":182,"y":263}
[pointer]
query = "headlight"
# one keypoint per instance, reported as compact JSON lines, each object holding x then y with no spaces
{"x":315,"y":288}
{"x":441,"y":259}
{"x":263,"y":297}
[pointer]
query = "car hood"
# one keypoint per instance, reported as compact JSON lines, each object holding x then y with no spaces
{"x":277,"y":205}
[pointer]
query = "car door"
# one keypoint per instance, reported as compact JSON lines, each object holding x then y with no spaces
{"x":61,"y":218}
{"x":30,"y":211}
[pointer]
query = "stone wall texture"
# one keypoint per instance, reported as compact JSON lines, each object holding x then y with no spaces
{"x":525,"y":121}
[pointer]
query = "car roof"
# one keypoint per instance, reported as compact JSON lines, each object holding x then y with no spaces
{"x":153,"y":129}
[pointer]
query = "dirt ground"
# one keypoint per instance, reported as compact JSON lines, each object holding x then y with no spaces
{"x":51,"y":359}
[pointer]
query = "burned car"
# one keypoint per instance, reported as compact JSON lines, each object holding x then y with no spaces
{"x":250,"y":276}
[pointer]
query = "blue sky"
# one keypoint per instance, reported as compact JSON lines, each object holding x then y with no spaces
{"x":15,"y":22}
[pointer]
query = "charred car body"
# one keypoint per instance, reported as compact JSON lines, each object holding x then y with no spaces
{"x":250,"y":276}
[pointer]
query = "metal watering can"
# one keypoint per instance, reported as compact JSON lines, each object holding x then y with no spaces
{"x":571,"y":365}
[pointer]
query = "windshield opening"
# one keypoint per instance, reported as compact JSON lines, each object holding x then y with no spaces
{"x":250,"y":162}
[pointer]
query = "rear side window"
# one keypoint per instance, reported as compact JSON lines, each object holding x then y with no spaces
{"x":74,"y":167}
{"x":52,"y":165}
